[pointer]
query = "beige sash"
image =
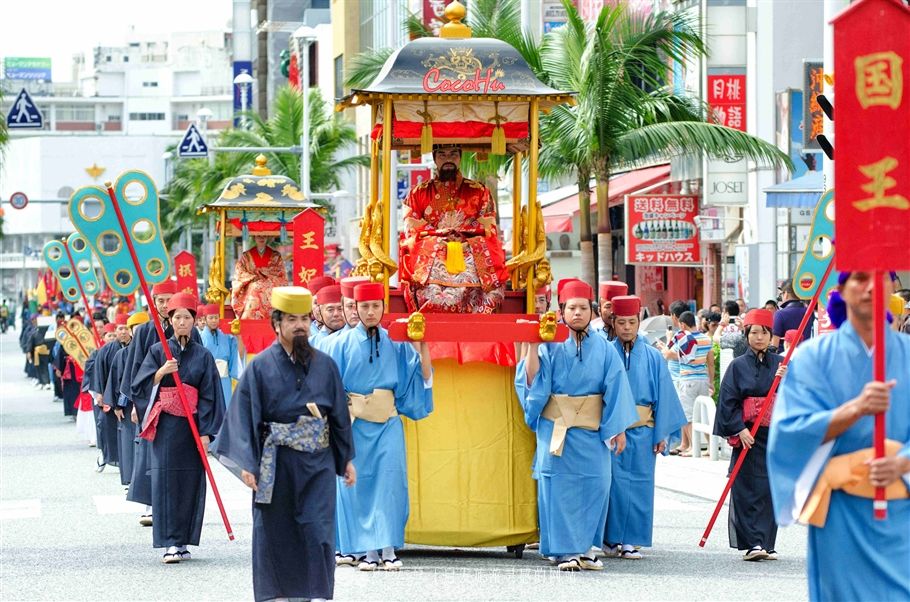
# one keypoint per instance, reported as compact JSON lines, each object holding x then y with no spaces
{"x":645,"y":417}
{"x":568,"y":412}
{"x":849,"y":473}
{"x":378,"y":406}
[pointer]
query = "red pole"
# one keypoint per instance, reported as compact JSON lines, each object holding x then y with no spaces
{"x":880,"y":504}
{"x":88,"y":308}
{"x":169,"y":356}
{"x":765,"y":405}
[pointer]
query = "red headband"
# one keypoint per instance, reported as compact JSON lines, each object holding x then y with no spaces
{"x":120,"y":319}
{"x":210,"y":310}
{"x":626,"y":305}
{"x":759,"y":317}
{"x":612,"y":288}
{"x":329,"y":294}
{"x":168,"y":287}
{"x":314,"y":284}
{"x":183,"y":301}
{"x":576,"y":290}
{"x":348,"y":284}
{"x":110,"y":328}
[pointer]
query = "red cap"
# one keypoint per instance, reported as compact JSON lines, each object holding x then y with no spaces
{"x":329,"y":294}
{"x":200,"y":309}
{"x":348,"y":284}
{"x":612,"y":288}
{"x":545,"y":290}
{"x":210,"y":310}
{"x":168,"y":287}
{"x":369,"y":291}
{"x":110,"y":328}
{"x":562,"y":283}
{"x":790,"y":337}
{"x":575,"y":289}
{"x":183,"y":301}
{"x":120,"y":319}
{"x":626,"y":305}
{"x":759,"y":317}
{"x":314,"y":284}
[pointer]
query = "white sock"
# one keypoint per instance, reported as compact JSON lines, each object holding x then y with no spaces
{"x":148,"y":509}
{"x":568,"y":557}
{"x":388,"y":553}
{"x":373,"y":556}
{"x":628,"y":548}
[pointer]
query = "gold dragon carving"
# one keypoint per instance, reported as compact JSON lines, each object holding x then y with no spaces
{"x":524,"y":260}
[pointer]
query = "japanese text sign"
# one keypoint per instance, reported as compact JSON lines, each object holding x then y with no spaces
{"x":727,"y":100}
{"x":661,"y":230}
{"x":185,"y":269}
{"x":872,"y":178}
{"x":813,"y":116}
{"x":309,"y":246}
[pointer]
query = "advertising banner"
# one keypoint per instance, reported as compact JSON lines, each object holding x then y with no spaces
{"x":727,"y":100}
{"x":813,"y":116}
{"x":18,"y":67}
{"x":661,"y":230}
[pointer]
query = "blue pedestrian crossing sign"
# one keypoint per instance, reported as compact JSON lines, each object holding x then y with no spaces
{"x":193,"y":144}
{"x":24,"y":113}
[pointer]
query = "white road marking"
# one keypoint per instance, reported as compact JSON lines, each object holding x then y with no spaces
{"x":116,"y":504}
{"x":13,"y":509}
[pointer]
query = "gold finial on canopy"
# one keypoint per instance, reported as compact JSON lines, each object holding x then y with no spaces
{"x":261,"y":169}
{"x":454,"y":28}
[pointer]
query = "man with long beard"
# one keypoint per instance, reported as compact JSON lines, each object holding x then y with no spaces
{"x":451,"y":256}
{"x":291,"y":396}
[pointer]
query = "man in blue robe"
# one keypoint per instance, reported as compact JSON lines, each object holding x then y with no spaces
{"x":330,"y":308}
{"x":289,"y":431}
{"x":223,"y":348}
{"x":577,"y":399}
{"x":314,"y":285}
{"x":383,"y":380}
{"x":630,"y":517}
{"x":824,"y":414}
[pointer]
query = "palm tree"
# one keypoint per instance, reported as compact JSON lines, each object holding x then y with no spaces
{"x":626,"y":114}
{"x":196,"y":183}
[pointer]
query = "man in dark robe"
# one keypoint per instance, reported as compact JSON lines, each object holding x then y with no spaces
{"x":25,"y":338}
{"x":178,"y":479}
{"x":102,"y":375}
{"x":121,"y":407}
{"x":69,"y":386}
{"x":289,"y":431}
{"x":90,"y":384}
{"x":39,"y":349}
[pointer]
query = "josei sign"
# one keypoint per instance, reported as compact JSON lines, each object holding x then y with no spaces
{"x":661,"y":229}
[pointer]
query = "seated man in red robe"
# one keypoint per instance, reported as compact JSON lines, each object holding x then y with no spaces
{"x":451,"y":255}
{"x":256,"y":273}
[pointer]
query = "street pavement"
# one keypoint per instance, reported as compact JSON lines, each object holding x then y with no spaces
{"x":67,"y":533}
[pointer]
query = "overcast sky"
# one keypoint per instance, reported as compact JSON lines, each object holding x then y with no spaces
{"x":60,"y":28}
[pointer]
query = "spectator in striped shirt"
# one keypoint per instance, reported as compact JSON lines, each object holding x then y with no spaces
{"x":693,"y":350}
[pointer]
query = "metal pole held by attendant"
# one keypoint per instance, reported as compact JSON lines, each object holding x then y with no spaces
{"x":765,"y":404}
{"x":88,"y":309}
{"x":169,"y":356}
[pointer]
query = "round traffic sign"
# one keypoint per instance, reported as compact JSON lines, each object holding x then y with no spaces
{"x":18,"y":200}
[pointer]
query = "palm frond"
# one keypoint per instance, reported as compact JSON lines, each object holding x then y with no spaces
{"x":365,"y":67}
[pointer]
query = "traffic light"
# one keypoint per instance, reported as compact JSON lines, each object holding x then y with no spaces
{"x":822,"y":140}
{"x":285,"y":62}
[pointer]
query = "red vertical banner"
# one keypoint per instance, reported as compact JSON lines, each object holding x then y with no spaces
{"x":727,"y":100}
{"x":185,"y":269}
{"x":433,"y":14}
{"x":661,"y":230}
{"x":309,"y":246}
{"x":871,"y":131}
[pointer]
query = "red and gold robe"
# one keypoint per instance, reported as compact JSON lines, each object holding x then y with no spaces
{"x":255,"y":276}
{"x":459,"y":218}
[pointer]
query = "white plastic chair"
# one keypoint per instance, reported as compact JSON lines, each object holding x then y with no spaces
{"x":703,"y":424}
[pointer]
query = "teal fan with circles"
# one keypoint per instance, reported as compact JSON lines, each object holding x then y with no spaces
{"x":67,"y":272}
{"x":819,"y":252}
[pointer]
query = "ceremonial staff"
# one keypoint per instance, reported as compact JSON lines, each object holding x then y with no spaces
{"x":88,"y":308}
{"x":766,"y":405}
{"x":169,"y":356}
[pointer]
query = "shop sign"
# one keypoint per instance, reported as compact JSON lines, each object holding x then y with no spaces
{"x":661,"y":229}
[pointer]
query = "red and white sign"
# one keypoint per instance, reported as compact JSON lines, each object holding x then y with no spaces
{"x":872,"y":171}
{"x":185,"y":270}
{"x":433,"y":11}
{"x":18,"y":200}
{"x":309,"y":246}
{"x":727,"y":100}
{"x":661,"y":230}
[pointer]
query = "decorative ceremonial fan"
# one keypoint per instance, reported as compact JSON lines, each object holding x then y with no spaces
{"x":71,"y":262}
{"x":93,"y":215}
{"x":818,"y":253}
{"x":76,"y":341}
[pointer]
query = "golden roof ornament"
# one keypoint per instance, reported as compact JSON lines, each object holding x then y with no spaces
{"x":454,"y":28}
{"x":261,"y":169}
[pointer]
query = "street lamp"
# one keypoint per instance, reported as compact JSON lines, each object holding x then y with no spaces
{"x":243,"y":81}
{"x":305,"y":35}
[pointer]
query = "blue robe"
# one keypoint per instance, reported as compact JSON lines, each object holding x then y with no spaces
{"x":854,"y":557}
{"x":224,"y":347}
{"x":372,"y":514}
{"x":294,"y":535}
{"x":630,"y":517}
{"x":573,"y":490}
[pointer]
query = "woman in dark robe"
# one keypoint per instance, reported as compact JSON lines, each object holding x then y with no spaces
{"x":742,"y":392}
{"x":178,"y":479}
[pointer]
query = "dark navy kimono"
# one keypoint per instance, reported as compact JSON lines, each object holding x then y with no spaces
{"x":178,"y":479}
{"x":126,"y":430}
{"x":751,"y":514}
{"x":101,"y":373}
{"x":294,"y":535}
